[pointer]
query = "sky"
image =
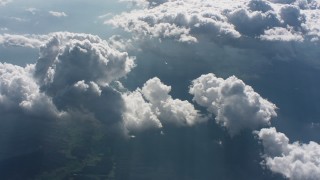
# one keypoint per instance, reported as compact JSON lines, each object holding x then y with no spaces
{"x":160,"y":89}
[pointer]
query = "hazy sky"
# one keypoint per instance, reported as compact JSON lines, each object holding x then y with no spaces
{"x":160,"y":89}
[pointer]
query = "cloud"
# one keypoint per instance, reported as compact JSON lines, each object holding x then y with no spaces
{"x":70,"y":79}
{"x":281,"y":34}
{"x":171,"y":110}
{"x":68,"y":58}
{"x":69,"y":84}
{"x":293,"y":160}
{"x":234,"y":103}
{"x":190,"y":20}
{"x":139,"y":114}
{"x":31,"y":10}
{"x":75,"y":70}
{"x":152,"y":106}
{"x":104,"y":16}
{"x":19,"y":92}
{"x":4,"y":29}
{"x":58,"y":14}
{"x":139,"y":3}
{"x":4,"y":2}
{"x":30,"y":41}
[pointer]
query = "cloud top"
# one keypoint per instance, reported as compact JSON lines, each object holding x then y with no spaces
{"x":190,"y":20}
{"x":293,"y":160}
{"x":236,"y":105}
{"x":69,"y":80}
{"x":152,"y":106}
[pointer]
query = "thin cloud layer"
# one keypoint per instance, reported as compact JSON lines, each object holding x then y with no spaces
{"x":191,"y":20}
{"x":236,"y":105}
{"x":4,"y":2}
{"x":30,"y":41}
{"x":293,"y":160}
{"x":152,"y":106}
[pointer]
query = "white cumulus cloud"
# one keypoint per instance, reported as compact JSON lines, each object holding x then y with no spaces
{"x":139,"y":114}
{"x":295,"y":160}
{"x":191,"y":20}
{"x":19,"y":92}
{"x":152,"y":106}
{"x":236,"y":105}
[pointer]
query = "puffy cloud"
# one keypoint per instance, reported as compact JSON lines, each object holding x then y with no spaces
{"x":236,"y":105}
{"x":68,"y":58}
{"x":291,"y":15}
{"x":190,"y":20}
{"x":71,"y":78}
{"x":171,"y":110}
{"x":75,"y":70}
{"x":58,"y":14}
{"x":281,"y":34}
{"x":153,"y":106}
{"x":19,"y":92}
{"x":139,"y":114}
{"x":293,"y":160}
{"x":69,"y":84}
{"x":181,"y":20}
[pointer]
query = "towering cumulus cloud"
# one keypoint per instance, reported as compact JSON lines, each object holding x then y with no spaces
{"x":190,"y":20}
{"x":152,"y":106}
{"x":71,"y":78}
{"x":234,"y":103}
{"x":75,"y":70}
{"x":294,"y":160}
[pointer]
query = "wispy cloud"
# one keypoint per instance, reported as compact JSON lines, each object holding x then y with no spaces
{"x":4,"y":2}
{"x":58,"y":14}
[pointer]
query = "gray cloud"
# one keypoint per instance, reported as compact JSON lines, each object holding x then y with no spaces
{"x":234,"y":103}
{"x":67,"y":60}
{"x":74,"y":74}
{"x":293,"y":160}
{"x":70,"y":79}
